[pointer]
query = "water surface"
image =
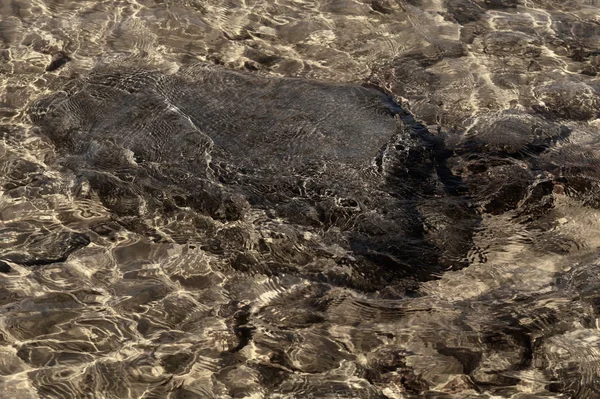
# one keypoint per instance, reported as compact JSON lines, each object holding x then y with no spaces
{"x":428,"y":225}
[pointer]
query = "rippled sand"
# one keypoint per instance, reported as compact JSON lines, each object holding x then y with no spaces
{"x":100,"y":303}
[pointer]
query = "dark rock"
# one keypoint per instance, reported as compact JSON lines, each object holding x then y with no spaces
{"x":511,"y":132}
{"x":58,"y":60}
{"x":4,"y":267}
{"x":503,"y":43}
{"x":383,"y":6}
{"x":225,"y":144}
{"x":569,"y":100}
{"x":44,"y":249}
{"x":464,"y":11}
{"x":501,"y":3}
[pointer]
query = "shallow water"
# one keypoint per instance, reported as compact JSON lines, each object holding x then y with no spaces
{"x":459,"y":261}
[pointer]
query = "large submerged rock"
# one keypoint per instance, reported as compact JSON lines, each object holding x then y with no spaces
{"x":351,"y":188}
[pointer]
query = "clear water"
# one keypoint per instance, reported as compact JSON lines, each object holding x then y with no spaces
{"x":98,"y":300}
